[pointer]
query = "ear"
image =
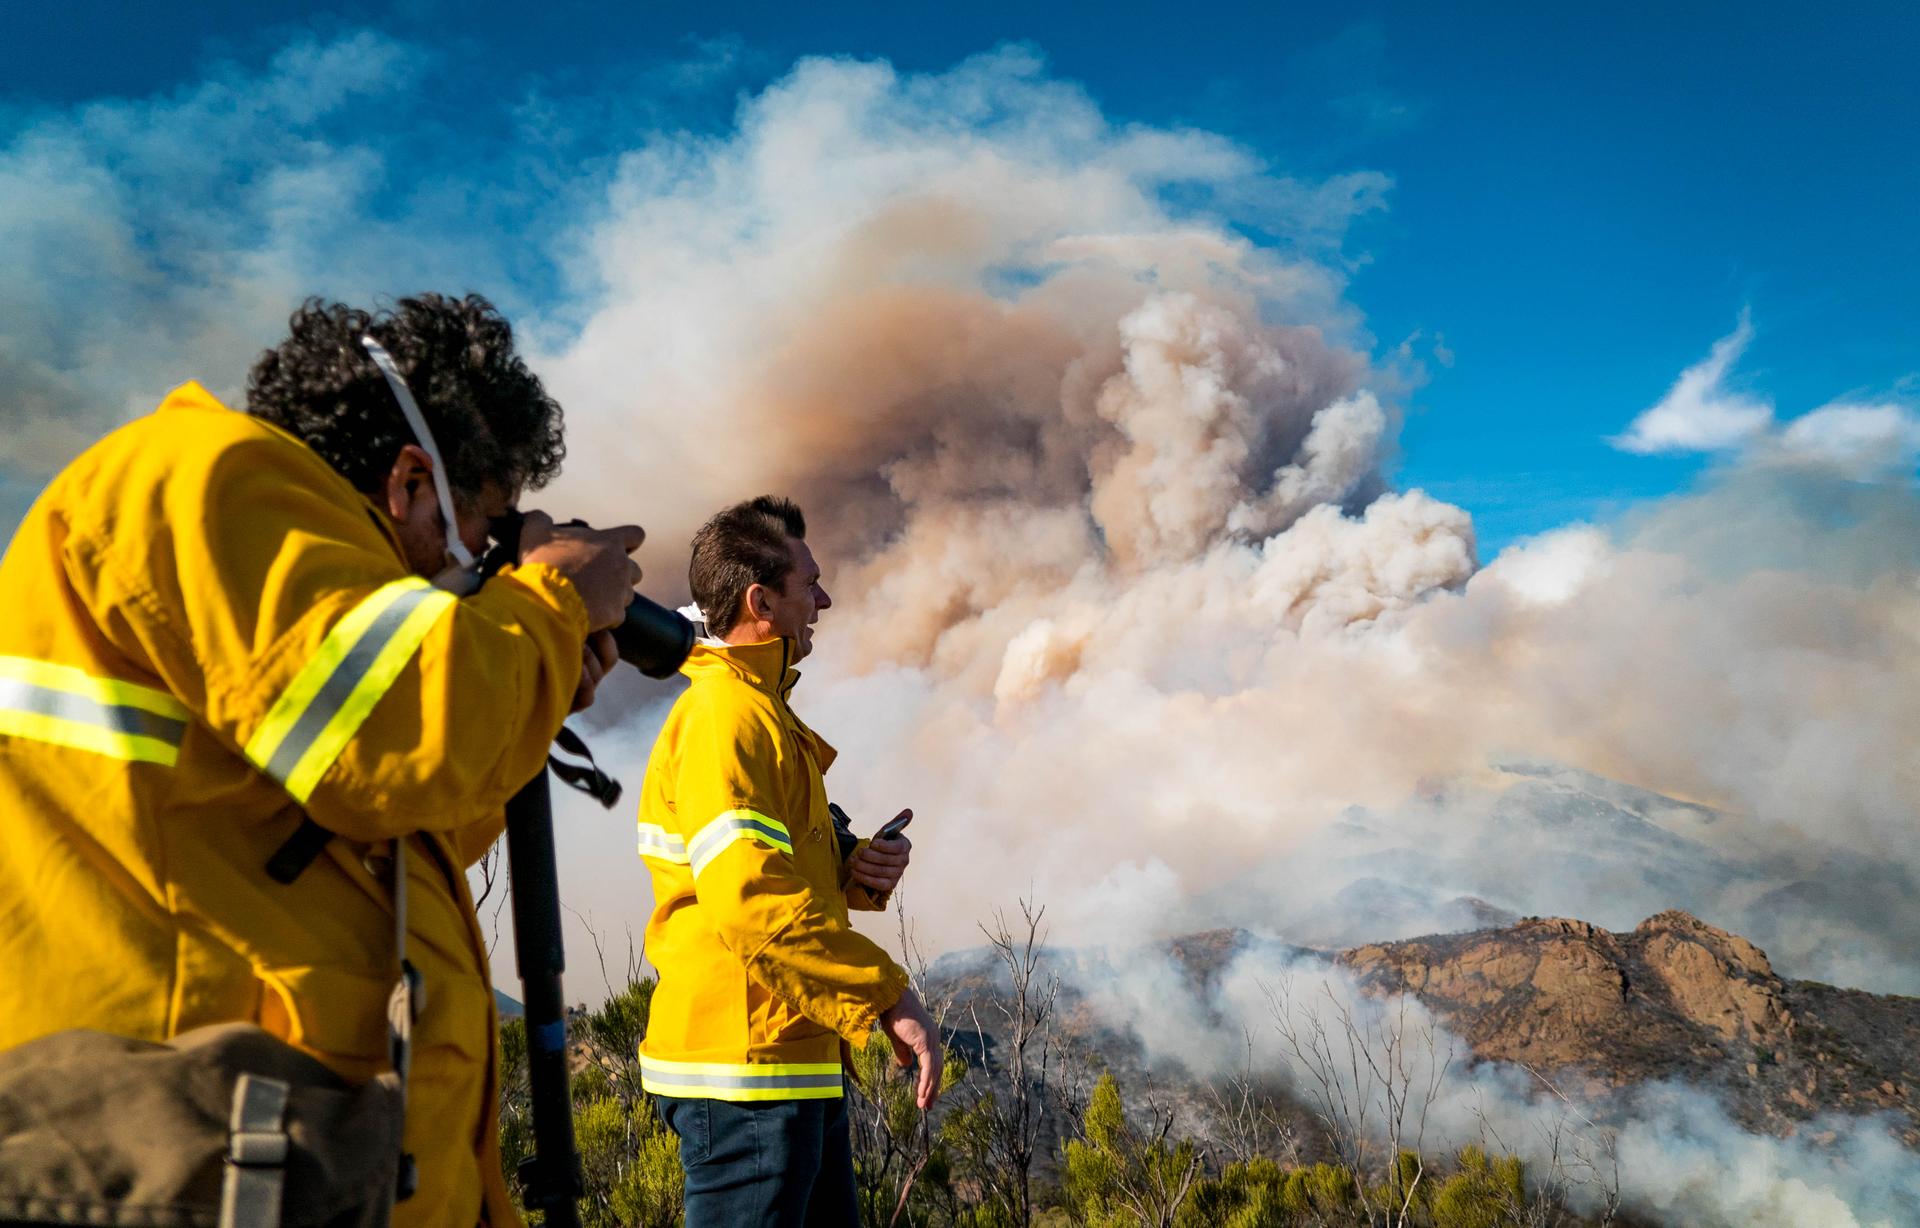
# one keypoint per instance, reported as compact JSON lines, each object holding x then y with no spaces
{"x":758,"y":607}
{"x":410,"y":482}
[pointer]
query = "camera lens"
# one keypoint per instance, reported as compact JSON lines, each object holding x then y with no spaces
{"x":653,"y":639}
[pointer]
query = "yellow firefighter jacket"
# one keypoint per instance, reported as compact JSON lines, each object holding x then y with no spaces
{"x":760,"y":973}
{"x":206,"y":629}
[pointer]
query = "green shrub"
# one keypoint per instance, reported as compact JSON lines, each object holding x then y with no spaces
{"x":1248,"y":1195}
{"x":1116,"y":1176}
{"x":1482,"y":1193}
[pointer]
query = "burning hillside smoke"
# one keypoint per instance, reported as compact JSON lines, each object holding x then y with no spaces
{"x":1126,"y":605}
{"x":1681,"y":1158}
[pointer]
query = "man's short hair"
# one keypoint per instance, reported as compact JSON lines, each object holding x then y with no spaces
{"x":740,"y":547}
{"x":492,"y":420}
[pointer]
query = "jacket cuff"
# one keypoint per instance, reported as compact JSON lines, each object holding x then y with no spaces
{"x":862,"y":898}
{"x":861,"y":1023}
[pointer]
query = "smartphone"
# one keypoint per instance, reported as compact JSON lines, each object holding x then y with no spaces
{"x":894,"y":826}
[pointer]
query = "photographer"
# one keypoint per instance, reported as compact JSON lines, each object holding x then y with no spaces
{"x":219,"y":624}
{"x":762,"y":979}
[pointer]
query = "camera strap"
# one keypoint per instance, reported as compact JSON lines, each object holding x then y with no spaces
{"x":418,"y":422}
{"x":588,"y":778}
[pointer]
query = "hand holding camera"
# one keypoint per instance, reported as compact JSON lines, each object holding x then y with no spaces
{"x":644,"y":634}
{"x":596,"y":560}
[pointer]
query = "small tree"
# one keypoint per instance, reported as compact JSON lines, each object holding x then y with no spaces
{"x":1117,"y":1175}
{"x":996,"y":1139}
{"x":894,"y":1143}
{"x":629,"y":1160}
{"x":1373,"y":1076}
{"x":1244,"y":1119}
{"x":1580,"y":1159}
{"x":1482,"y":1193}
{"x":1247,"y":1194}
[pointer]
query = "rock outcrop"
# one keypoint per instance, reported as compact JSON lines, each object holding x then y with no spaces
{"x":1674,"y":998}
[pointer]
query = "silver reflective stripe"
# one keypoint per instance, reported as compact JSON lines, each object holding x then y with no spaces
{"x":25,"y":697}
{"x":791,"y":1082}
{"x":339,"y":686}
{"x":735,"y":825}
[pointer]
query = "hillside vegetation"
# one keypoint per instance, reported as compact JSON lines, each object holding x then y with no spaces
{"x":1037,"y":1127}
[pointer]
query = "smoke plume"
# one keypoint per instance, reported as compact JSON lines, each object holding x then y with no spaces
{"x":1127,"y":605}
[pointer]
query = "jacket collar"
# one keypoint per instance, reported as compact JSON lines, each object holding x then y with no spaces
{"x":765,"y":665}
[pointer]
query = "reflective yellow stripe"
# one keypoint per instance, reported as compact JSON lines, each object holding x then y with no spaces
{"x":741,"y":1080}
{"x":65,"y":706}
{"x":733,"y":825}
{"x":317,"y":715}
{"x":114,"y":745}
{"x":738,"y":1094}
{"x":658,"y":843}
{"x":747,"y":1069}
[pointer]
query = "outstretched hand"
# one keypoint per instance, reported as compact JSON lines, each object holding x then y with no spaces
{"x":916,"y":1041}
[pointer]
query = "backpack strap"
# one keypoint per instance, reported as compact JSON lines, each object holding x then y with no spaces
{"x":256,"y":1154}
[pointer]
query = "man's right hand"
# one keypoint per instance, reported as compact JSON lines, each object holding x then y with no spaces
{"x":594,"y":559}
{"x":915,"y":1040}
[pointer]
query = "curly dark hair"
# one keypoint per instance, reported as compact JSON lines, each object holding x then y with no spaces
{"x":493,"y":422}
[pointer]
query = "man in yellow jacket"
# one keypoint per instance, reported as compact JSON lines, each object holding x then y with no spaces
{"x":761,"y":977}
{"x":218,"y":624}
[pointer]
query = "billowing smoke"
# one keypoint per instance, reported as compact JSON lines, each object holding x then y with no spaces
{"x":1127,"y":606}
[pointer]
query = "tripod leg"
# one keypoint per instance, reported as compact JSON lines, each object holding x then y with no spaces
{"x":550,"y":1179}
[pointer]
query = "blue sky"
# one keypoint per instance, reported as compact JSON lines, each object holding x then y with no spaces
{"x":1580,"y":203}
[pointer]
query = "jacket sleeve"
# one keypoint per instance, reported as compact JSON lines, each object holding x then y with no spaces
{"x":740,"y":849}
{"x":270,"y":599}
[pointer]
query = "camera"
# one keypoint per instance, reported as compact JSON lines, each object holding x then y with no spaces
{"x":651,"y":638}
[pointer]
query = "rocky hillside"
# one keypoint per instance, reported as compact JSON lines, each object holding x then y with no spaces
{"x":1675,"y":998}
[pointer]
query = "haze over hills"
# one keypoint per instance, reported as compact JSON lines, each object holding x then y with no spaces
{"x":1672,"y":1000}
{"x":1731,"y":1096}
{"x":1743,"y":1087}
{"x":1536,"y":839}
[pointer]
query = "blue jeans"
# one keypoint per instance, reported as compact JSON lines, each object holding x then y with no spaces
{"x":766,"y":1164}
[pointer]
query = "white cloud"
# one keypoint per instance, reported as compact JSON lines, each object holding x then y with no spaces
{"x":1552,"y":568}
{"x":159,"y":240}
{"x":1700,"y":413}
{"x":1858,"y":437}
